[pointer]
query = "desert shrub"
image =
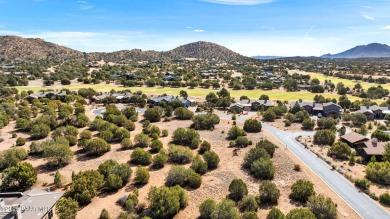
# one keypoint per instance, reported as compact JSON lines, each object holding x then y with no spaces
{"x":379,"y":172}
{"x":384,"y":199}
{"x":322,"y":207}
{"x":58,"y":154}
{"x":66,"y":208}
{"x":160,"y":160}
{"x":183,"y":113}
{"x":269,"y":115}
{"x":153,"y":114}
{"x":234,"y":132}
{"x":186,"y":137}
{"x":252,"y":125}
{"x":39,"y":131}
{"x":86,"y":134}
{"x":166,"y":202}
{"x":141,"y":140}
{"x":325,"y":136}
{"x":207,"y":207}
{"x":250,"y":215}
{"x":326,"y":122}
{"x":308,"y":124}
{"x":212,"y":159}
{"x":126,"y":143}
{"x":121,"y":134}
{"x":97,"y":146}
{"x":198,"y":165}
{"x":340,"y":150}
{"x":154,"y":130}
{"x":104,"y":214}
{"x":248,"y":203}
{"x":301,"y":190}
{"x":180,"y":154}
{"x":129,"y":125}
{"x":58,"y":179}
{"x":242,"y":142}
{"x":269,"y":192}
{"x":300,"y":213}
{"x":113,"y":167}
{"x":275,"y":213}
{"x":164,"y":133}
{"x":130,"y":113}
{"x":11,"y":157}
{"x":19,"y":177}
{"x":204,"y":146}
{"x":267,"y":146}
{"x":20,"y":141}
{"x":362,"y":184}
{"x":141,"y":157}
{"x":226,"y":209}
{"x":113,"y":182}
{"x":205,"y":121}
{"x":178,"y":175}
{"x":237,"y":189}
{"x":253,"y":155}
{"x":156,"y":146}
{"x":141,"y":175}
{"x":262,"y":169}
{"x":194,"y":180}
{"x":85,"y":186}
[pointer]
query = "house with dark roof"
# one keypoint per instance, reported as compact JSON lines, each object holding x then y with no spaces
{"x":168,"y":98}
{"x":353,"y":139}
{"x":332,"y":109}
{"x":46,"y":94}
{"x":120,"y":97}
{"x":308,"y":106}
{"x":32,"y":204}
{"x":374,"y":112}
{"x":261,"y":104}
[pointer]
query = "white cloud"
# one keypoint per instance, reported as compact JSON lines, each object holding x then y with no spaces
{"x":198,"y":31}
{"x":368,"y":17}
{"x":188,"y":27}
{"x":386,"y":27}
{"x":239,"y":2}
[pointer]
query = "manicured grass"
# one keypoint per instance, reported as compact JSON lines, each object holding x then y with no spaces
{"x":346,"y":82}
{"x":197,"y":92}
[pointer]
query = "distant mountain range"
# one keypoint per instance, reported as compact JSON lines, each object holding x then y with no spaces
{"x":267,"y":57}
{"x":373,"y":50}
{"x":28,"y":49}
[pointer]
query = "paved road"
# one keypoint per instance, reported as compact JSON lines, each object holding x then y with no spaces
{"x":360,"y":202}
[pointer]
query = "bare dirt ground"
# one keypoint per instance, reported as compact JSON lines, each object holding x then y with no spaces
{"x":214,"y":184}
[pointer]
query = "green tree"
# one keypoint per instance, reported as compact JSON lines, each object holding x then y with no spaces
{"x":252,"y":126}
{"x":275,"y":213}
{"x":237,"y":189}
{"x":206,"y":209}
{"x":142,"y":140}
{"x":248,"y":203}
{"x":301,"y":190}
{"x":269,"y":115}
{"x":300,"y":213}
{"x":85,"y":186}
{"x":160,"y":160}
{"x":386,"y":154}
{"x":198,"y":165}
{"x":226,"y":209}
{"x":340,"y":149}
{"x":66,"y":208}
{"x":97,"y":146}
{"x":153,"y":114}
{"x":58,"y":179}
{"x":234,"y":132}
{"x":212,"y":159}
{"x":141,"y":157}
{"x":322,"y":207}
{"x":104,"y":214}
{"x":141,"y":175}
{"x":183,"y":113}
{"x":308,"y":124}
{"x":262,"y":169}
{"x":267,"y":146}
{"x":39,"y":131}
{"x":379,"y":172}
{"x":326,"y":137}
{"x":269,"y":192}
{"x":253,"y":155}
{"x":19,"y":177}
{"x":166,"y":202}
{"x":58,"y":154}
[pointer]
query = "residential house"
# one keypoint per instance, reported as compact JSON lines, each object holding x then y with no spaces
{"x":332,"y":109}
{"x":374,"y":112}
{"x":354,"y":139}
{"x":168,"y":98}
{"x":120,"y":97}
{"x":32,"y":204}
{"x":46,"y":94}
{"x":236,"y":108}
{"x":261,"y":104}
{"x":308,"y":106}
{"x":372,"y":148}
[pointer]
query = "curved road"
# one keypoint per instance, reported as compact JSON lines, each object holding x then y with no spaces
{"x":360,"y":202}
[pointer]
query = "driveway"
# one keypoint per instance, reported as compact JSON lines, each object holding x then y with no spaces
{"x":358,"y":201}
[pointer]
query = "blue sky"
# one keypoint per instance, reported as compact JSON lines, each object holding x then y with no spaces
{"x":250,"y":27}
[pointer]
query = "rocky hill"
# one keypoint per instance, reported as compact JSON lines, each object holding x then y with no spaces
{"x":373,"y":50}
{"x":204,"y":50}
{"x":29,"y":49}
